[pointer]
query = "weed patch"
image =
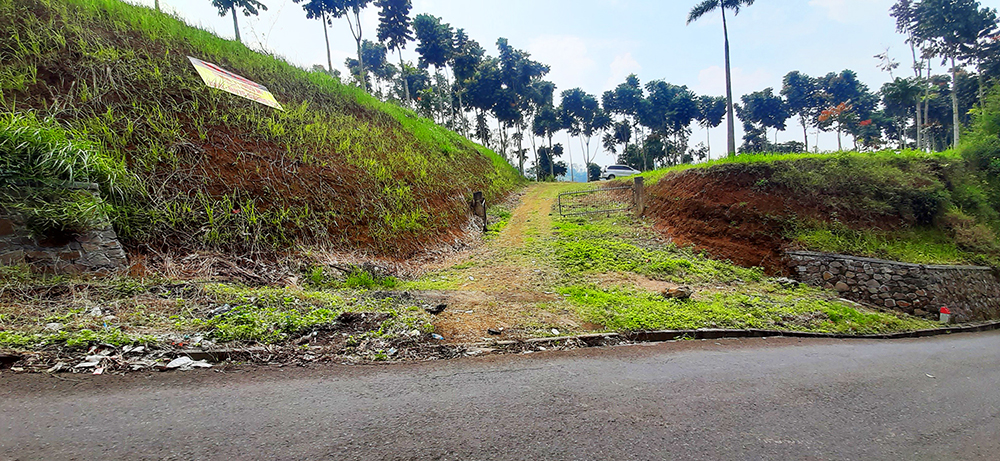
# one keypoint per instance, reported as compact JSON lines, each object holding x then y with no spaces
{"x":758,"y":307}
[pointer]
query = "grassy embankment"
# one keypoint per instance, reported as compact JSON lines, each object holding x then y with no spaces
{"x":908,"y":206}
{"x":102,"y":91}
{"x":198,"y":168}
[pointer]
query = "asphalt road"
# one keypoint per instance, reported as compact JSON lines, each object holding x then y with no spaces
{"x":718,"y":400}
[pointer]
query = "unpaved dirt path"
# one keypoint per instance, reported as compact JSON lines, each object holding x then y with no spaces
{"x":504,"y":284}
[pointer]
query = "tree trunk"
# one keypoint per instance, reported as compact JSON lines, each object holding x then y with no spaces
{"x":406,"y":81}
{"x":708,"y":141}
{"x":326,"y":35}
{"x":569,"y":151}
{"x":534,"y":150}
{"x":954,"y":102}
{"x":357,"y":38}
{"x":927,"y":103}
{"x":730,"y":121}
{"x":236,"y":25}
{"x":805,"y":132}
{"x":918,"y":70}
{"x":157,"y":3}
{"x":840,"y":147}
{"x":552,"y":160}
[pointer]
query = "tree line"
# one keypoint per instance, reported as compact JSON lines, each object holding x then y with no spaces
{"x":505,"y":102}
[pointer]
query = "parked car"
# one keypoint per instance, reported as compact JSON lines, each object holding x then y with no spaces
{"x":618,"y":171}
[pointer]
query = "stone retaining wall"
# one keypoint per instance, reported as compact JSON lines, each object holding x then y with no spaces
{"x":971,"y":292}
{"x":97,"y":250}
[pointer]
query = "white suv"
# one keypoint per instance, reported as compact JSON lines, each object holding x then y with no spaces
{"x":618,"y":171}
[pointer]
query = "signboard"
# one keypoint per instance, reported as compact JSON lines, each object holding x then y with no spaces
{"x":217,"y":77}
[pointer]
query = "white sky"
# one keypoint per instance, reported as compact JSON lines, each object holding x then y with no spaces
{"x":595,"y":44}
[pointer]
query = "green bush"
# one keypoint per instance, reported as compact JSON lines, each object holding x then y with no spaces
{"x":36,"y":158}
{"x":42,"y":151}
{"x":49,"y":212}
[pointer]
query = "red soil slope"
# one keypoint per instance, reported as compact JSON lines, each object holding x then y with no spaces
{"x":725,"y":211}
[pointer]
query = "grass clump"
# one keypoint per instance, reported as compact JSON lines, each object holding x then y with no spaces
{"x":602,"y":245}
{"x":37,"y":159}
{"x":42,"y":152}
{"x":72,"y":339}
{"x":802,"y":309}
{"x":925,"y":245}
{"x":274,"y":315}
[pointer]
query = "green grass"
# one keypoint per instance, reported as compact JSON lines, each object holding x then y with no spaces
{"x":499,"y":216}
{"x":758,"y":307}
{"x":616,"y":244}
{"x":336,"y":168}
{"x":72,"y":339}
{"x":918,"y":246}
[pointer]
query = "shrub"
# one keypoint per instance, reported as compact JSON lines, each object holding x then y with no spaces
{"x":41,"y":151}
{"x":49,"y":212}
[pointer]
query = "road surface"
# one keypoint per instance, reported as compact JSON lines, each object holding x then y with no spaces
{"x":936,"y":398}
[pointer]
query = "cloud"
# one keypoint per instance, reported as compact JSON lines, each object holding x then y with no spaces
{"x":568,"y":57}
{"x":622,"y":66}
{"x":712,"y":81}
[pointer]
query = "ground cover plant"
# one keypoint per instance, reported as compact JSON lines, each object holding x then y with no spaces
{"x":725,"y":295}
{"x":336,"y":168}
{"x":608,"y":272}
{"x":72,"y":313}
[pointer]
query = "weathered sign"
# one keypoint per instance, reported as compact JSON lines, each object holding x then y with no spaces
{"x":217,"y":77}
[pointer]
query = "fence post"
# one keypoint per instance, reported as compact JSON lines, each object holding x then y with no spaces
{"x":639,"y":195}
{"x":479,"y":207}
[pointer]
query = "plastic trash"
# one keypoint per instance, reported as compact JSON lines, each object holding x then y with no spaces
{"x":437,"y":336}
{"x":187,"y":363}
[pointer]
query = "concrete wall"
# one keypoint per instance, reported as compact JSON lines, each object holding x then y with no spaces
{"x":972,"y":293}
{"x":97,"y":250}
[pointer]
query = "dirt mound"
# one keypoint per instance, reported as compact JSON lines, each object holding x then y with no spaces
{"x":737,"y":212}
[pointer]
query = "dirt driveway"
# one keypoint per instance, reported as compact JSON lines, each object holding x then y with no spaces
{"x":506,"y":284}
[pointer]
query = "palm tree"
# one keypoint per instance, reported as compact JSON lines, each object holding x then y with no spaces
{"x":701,"y":9}
{"x":250,"y":8}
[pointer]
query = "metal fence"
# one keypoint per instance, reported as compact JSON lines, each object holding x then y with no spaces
{"x":605,"y":200}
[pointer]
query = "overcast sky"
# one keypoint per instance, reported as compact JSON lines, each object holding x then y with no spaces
{"x":595,"y":44}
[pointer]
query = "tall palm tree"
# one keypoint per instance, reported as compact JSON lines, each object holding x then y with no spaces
{"x":249,"y":7}
{"x":701,"y":9}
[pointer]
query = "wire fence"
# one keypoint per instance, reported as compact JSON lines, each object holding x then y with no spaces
{"x":597,"y":201}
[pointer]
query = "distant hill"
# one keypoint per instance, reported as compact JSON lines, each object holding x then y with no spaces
{"x":337,"y":168}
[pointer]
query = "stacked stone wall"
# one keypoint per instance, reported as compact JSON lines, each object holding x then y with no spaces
{"x":970,"y":292}
{"x":97,"y":250}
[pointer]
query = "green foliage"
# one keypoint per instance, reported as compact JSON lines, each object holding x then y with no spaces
{"x":49,"y":212}
{"x":273,"y":315}
{"x":366,"y":280}
{"x":42,"y":151}
{"x":769,"y":307}
{"x":602,"y":246}
{"x":266,"y":325}
{"x":72,"y":339}
{"x":925,"y":245}
{"x":499,"y":218}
